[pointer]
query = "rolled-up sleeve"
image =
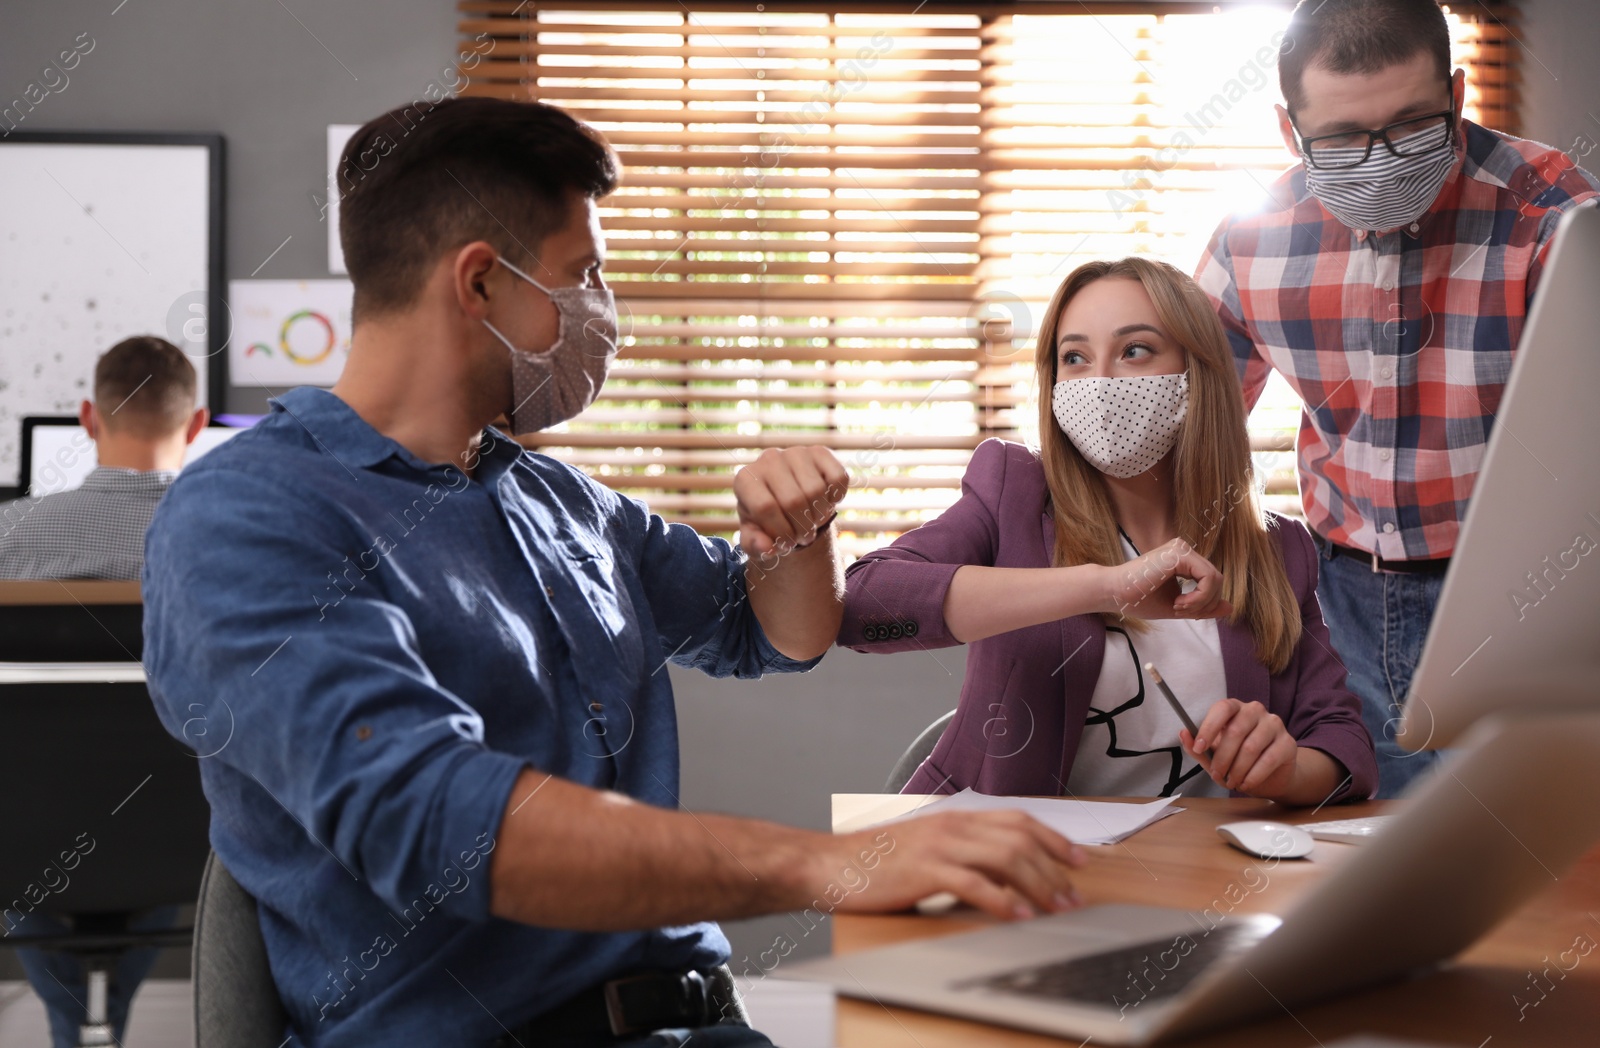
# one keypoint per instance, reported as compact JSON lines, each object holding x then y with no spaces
{"x":330,"y":706}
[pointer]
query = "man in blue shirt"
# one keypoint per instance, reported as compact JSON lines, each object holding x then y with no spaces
{"x":424,"y":668}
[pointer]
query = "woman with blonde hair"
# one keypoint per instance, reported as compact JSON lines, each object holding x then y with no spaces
{"x":1131,"y":537}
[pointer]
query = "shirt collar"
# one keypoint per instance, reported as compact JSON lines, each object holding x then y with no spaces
{"x":336,"y":428}
{"x":116,"y":478}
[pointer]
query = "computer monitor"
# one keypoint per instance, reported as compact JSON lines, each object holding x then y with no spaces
{"x":57,"y":452}
{"x":1518,"y":619}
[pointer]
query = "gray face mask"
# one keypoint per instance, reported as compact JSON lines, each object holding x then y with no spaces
{"x":1383,"y":192}
{"x":551,"y":387}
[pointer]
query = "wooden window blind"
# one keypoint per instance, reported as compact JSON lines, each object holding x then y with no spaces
{"x":839,"y":223}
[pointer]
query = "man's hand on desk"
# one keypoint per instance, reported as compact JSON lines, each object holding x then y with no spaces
{"x":1006,"y":864}
{"x":567,"y":856}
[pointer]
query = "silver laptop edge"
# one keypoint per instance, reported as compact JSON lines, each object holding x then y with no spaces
{"x":1515,"y":807}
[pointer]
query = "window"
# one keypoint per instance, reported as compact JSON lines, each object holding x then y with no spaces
{"x":839,"y":223}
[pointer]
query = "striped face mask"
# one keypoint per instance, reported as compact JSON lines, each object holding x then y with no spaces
{"x":1385,"y":191}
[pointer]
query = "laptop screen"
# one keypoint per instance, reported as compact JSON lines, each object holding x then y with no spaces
{"x":57,"y":452}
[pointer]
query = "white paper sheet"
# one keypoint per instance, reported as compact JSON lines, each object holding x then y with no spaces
{"x":1083,"y":822}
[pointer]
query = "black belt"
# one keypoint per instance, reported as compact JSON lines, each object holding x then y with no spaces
{"x":1436,"y":566}
{"x":630,"y":1006}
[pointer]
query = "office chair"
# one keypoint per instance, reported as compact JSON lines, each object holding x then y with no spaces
{"x":103,"y":810}
{"x":236,"y":1003}
{"x":916,"y":753}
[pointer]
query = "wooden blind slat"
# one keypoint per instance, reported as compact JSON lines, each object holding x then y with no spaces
{"x":838,"y":222}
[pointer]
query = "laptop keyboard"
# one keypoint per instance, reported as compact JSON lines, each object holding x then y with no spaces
{"x":1127,"y":976}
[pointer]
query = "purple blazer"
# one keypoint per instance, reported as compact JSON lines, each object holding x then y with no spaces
{"x":1027,"y":692}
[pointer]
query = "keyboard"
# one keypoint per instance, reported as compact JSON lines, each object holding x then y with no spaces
{"x":1350,"y":831}
{"x":1128,"y":975}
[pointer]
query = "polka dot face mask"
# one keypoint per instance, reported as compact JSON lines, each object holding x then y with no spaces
{"x":551,"y":387}
{"x":1123,"y":426}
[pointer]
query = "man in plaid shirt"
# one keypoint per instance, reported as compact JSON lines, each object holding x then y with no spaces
{"x":1387,"y":278}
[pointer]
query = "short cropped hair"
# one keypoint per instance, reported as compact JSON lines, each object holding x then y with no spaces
{"x":431,"y":176}
{"x":144,"y":386}
{"x":1359,"y":36}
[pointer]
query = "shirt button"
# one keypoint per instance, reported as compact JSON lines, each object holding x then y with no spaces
{"x":1388,"y":285}
{"x":1384,"y":454}
{"x":1415,"y":226}
{"x":1388,"y":529}
{"x":1387,"y":372}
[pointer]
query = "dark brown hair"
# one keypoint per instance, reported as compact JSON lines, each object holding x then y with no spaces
{"x":144,"y":386}
{"x":430,"y":176}
{"x":1359,"y":36}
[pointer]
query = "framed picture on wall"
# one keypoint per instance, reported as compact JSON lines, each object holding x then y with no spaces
{"x":105,"y":235}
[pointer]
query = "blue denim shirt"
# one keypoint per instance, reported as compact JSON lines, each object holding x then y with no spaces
{"x":365,"y":649}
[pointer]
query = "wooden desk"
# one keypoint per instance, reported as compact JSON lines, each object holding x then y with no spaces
{"x":1181,"y":862}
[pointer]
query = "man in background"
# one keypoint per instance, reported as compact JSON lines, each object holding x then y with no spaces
{"x":142,"y":419}
{"x":1387,"y":279}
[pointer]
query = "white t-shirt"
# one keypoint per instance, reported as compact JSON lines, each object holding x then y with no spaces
{"x":1130,"y":742}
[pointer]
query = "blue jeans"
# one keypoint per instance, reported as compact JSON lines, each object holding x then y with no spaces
{"x":62,"y":983}
{"x":1378,"y":622}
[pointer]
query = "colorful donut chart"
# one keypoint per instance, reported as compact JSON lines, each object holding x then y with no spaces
{"x":327,"y":327}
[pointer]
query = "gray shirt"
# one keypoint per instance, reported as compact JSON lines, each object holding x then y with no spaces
{"x":94,"y":531}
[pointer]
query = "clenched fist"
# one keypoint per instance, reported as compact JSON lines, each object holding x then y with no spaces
{"x":785,"y":496}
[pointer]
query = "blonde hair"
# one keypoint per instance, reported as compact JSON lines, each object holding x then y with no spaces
{"x":1218,"y":512}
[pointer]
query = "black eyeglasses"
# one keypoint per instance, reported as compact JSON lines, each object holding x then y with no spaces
{"x":1411,"y":137}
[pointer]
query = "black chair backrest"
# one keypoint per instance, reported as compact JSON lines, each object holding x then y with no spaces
{"x":102,"y":808}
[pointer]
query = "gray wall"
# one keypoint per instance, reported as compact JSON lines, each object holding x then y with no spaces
{"x":270,"y":81}
{"x":1561,"y":76}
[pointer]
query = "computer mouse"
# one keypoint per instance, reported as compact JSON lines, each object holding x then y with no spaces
{"x":1269,"y":840}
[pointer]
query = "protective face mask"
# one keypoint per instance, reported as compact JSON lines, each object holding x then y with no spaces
{"x":1123,"y":426}
{"x":551,"y":387}
{"x":1385,"y":191}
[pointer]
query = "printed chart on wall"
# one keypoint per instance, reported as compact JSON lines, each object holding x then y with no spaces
{"x":102,"y":236}
{"x":288,"y":332}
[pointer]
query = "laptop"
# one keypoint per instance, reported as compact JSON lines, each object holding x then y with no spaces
{"x":1520,"y":606}
{"x":1515,"y":806}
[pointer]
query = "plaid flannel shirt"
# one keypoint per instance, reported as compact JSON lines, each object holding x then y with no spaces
{"x":1398,"y":343}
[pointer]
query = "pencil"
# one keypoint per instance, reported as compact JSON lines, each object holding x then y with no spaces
{"x":1172,"y":700}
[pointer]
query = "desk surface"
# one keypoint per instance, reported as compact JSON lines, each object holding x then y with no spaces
{"x":1488,"y":999}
